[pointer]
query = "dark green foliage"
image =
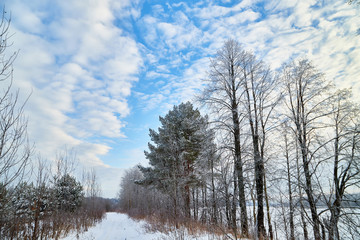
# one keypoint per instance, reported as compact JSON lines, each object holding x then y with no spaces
{"x":177,"y":155}
{"x":177,"y":147}
{"x":68,"y":193}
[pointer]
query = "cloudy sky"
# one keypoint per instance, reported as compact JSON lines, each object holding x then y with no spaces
{"x":100,"y":72}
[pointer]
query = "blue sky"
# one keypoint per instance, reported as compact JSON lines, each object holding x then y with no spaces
{"x":102,"y":71}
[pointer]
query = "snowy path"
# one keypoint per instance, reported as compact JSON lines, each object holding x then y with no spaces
{"x":118,"y":226}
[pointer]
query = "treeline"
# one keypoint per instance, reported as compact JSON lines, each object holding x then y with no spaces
{"x":48,"y":209}
{"x":277,"y":156}
{"x":37,"y":201}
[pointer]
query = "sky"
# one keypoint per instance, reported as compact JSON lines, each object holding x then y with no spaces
{"x":101,"y":72}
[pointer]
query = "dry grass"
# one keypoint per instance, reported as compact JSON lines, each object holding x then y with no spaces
{"x":180,"y":228}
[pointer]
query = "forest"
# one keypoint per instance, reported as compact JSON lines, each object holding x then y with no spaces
{"x":259,"y":153}
{"x":275,"y":157}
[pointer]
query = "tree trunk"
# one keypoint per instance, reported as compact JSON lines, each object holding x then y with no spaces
{"x":195,"y":207}
{"x":36,"y":219}
{"x":259,"y":176}
{"x":214,"y":205}
{"x":312,"y":204}
{"x":302,"y":210}
{"x":253,"y":108}
{"x":271,"y":234}
{"x":175,"y":199}
{"x":336,"y":205}
{"x":227,"y":205}
{"x":205,"y":204}
{"x":253,"y":204}
{"x":303,"y":221}
{"x":233,"y":211}
{"x":238,"y":168}
{"x":302,"y":138}
{"x":285,"y":221}
{"x":291,"y":205}
{"x":187,"y":201}
{"x":333,"y":229}
{"x":242,"y":200}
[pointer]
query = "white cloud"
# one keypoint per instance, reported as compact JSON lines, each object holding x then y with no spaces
{"x":28,"y":18}
{"x":212,"y":12}
{"x":242,"y":17}
{"x":80,"y":69}
{"x":215,"y":11}
{"x":320,"y":31}
{"x":149,"y":32}
{"x":172,"y":36}
{"x":303,"y":13}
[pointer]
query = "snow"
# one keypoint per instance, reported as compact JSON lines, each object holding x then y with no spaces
{"x":117,"y":226}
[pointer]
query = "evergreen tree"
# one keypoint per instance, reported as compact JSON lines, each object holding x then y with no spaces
{"x":69,"y":193}
{"x":22,"y":201}
{"x":176,"y":155}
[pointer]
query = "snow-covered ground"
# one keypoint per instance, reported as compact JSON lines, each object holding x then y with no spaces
{"x":117,"y":226}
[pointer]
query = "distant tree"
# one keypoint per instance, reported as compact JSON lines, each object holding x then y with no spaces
{"x":138,"y":200}
{"x":91,"y":184}
{"x":94,"y":205}
{"x":129,"y":193}
{"x":65,"y":162}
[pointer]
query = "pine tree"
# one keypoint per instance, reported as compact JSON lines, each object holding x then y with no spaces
{"x":69,"y":193}
{"x":176,"y":154}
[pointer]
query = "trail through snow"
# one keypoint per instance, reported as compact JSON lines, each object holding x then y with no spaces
{"x":117,"y":226}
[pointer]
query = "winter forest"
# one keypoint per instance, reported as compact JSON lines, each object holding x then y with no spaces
{"x":258,"y":154}
{"x":276,"y":157}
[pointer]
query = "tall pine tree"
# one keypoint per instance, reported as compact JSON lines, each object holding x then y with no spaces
{"x":176,"y":154}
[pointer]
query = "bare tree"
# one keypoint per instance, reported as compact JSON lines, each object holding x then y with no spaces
{"x":345,"y":142}
{"x":242,"y":88}
{"x":306,"y":102}
{"x":91,"y":184}
{"x":289,"y":184}
{"x":286,"y":179}
{"x":222,"y":95}
{"x":40,"y":204}
{"x":66,"y":162}
{"x":15,"y":150}
{"x":259,"y":100}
